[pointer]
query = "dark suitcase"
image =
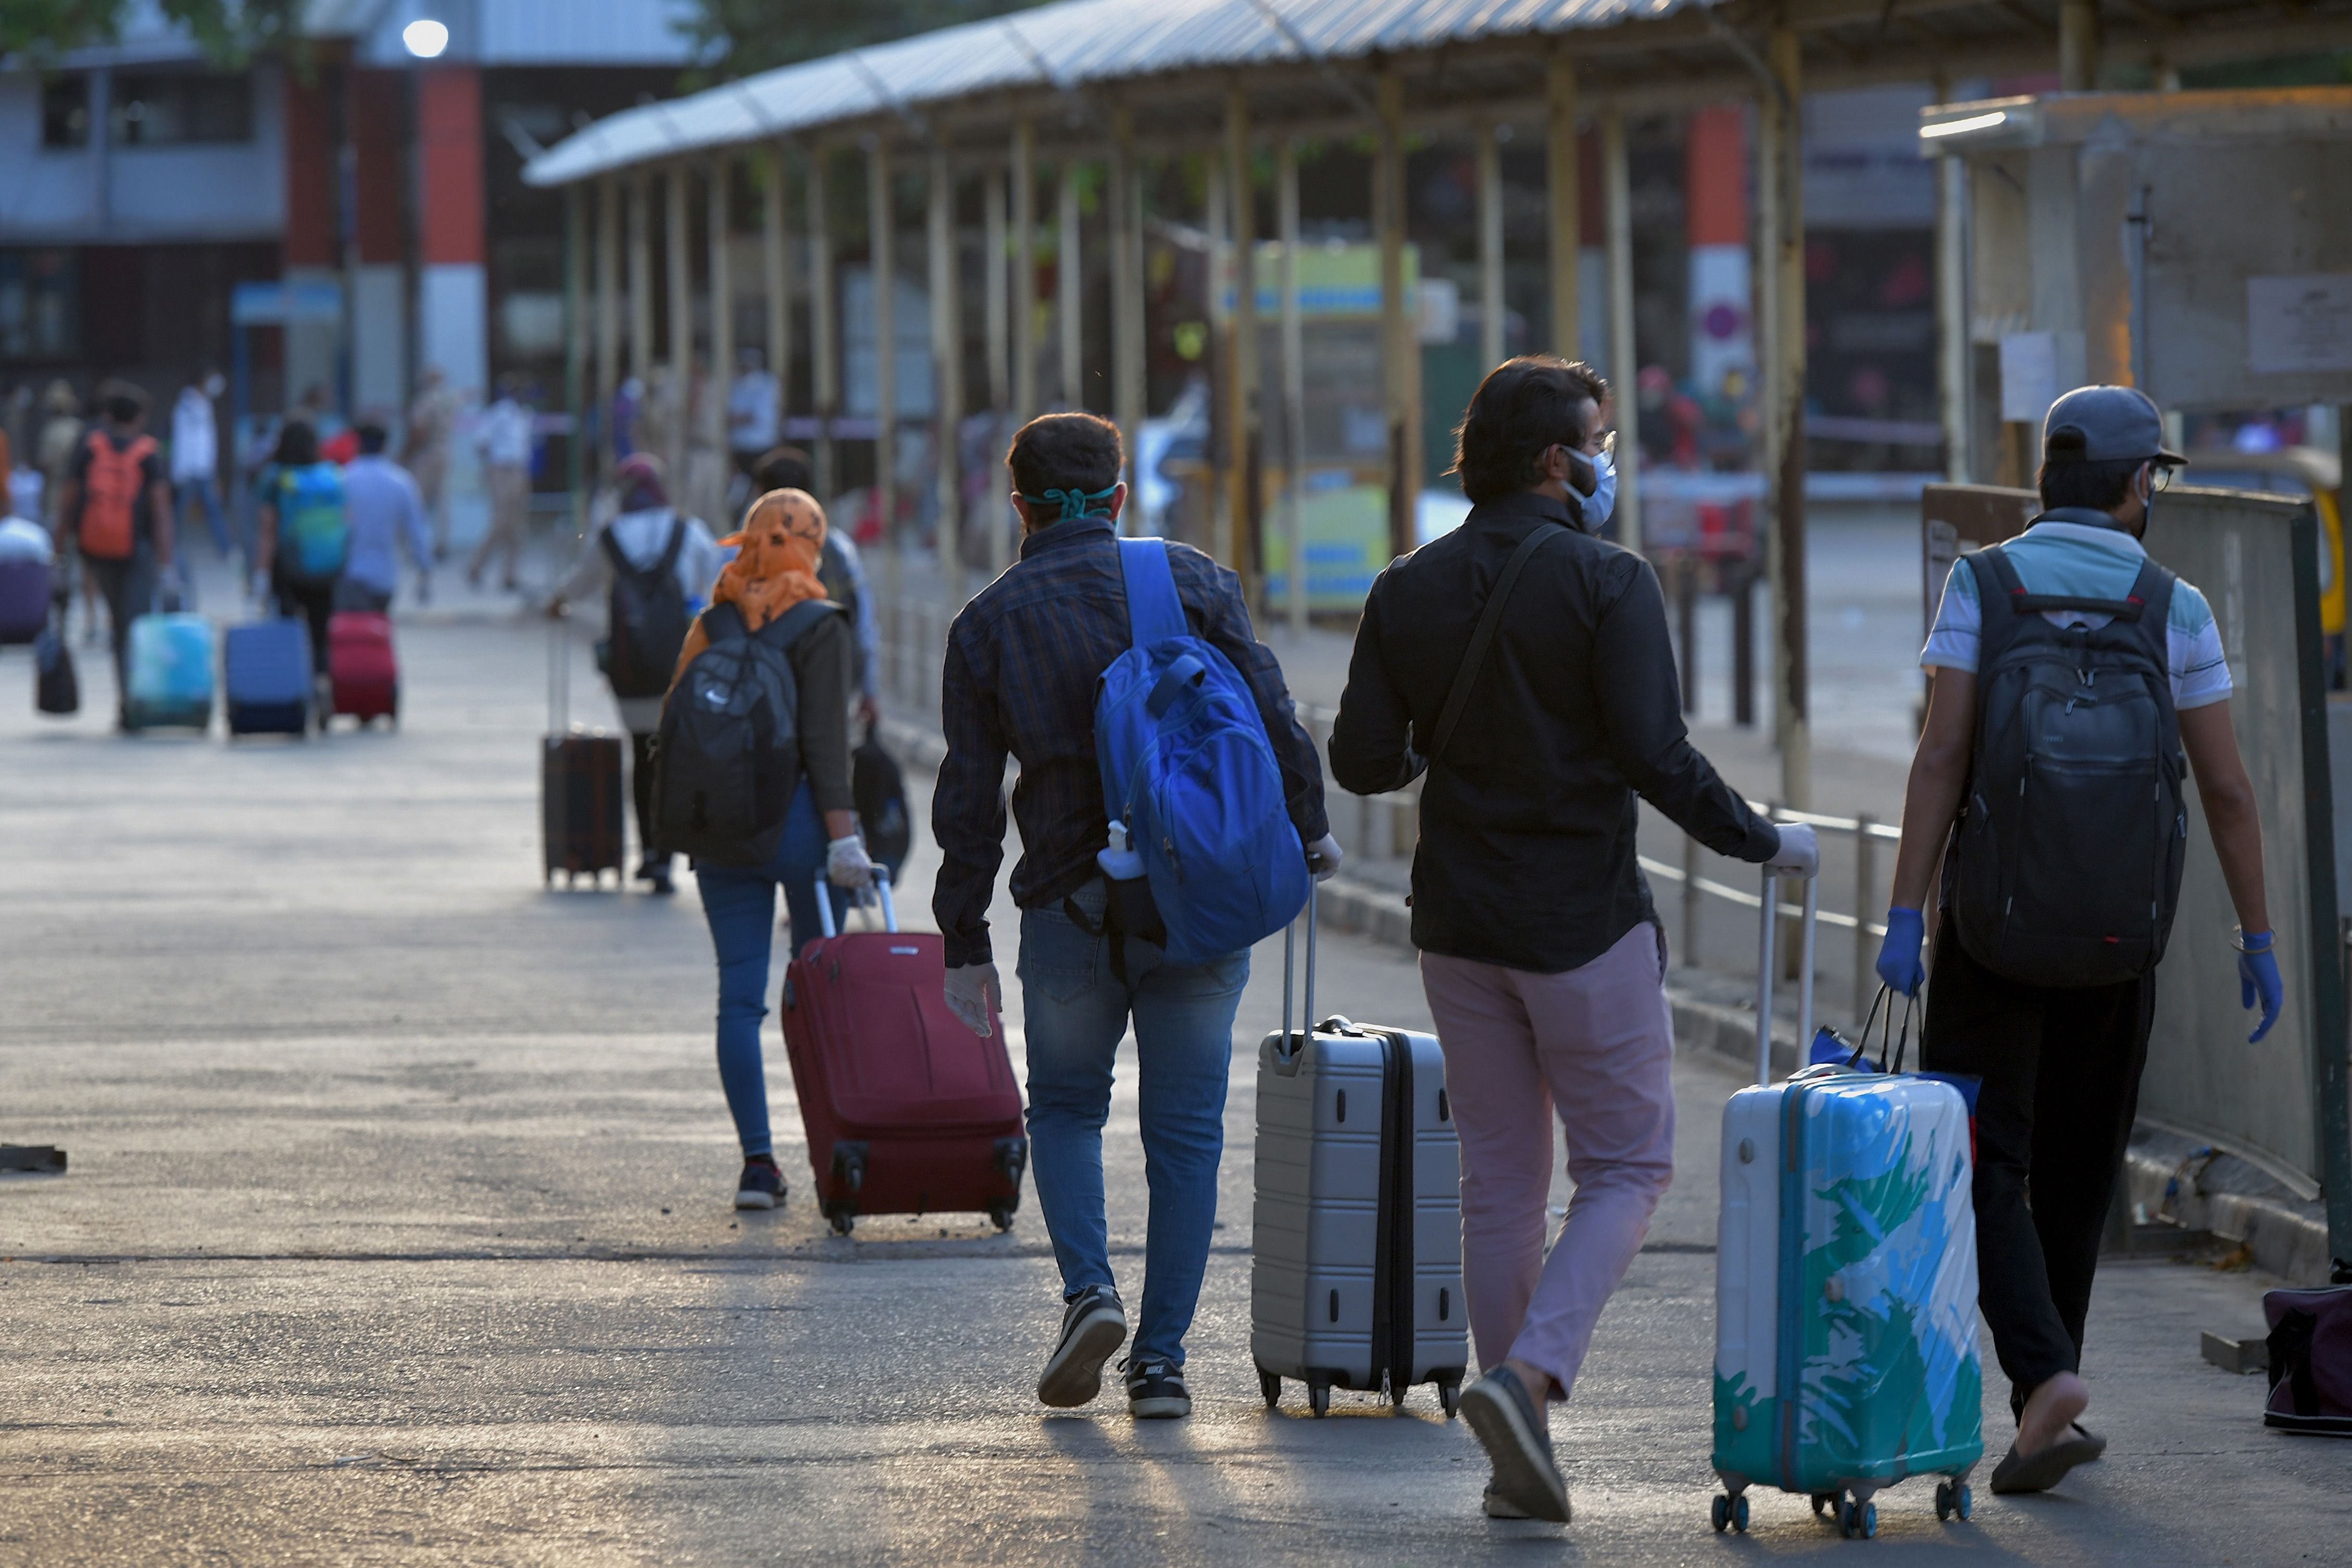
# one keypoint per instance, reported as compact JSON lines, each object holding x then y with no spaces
{"x":265,"y":675}
{"x":907,"y":1111}
{"x":360,"y":666}
{"x":1356,"y":1227}
{"x":56,"y":689}
{"x":23,"y":599}
{"x":579,"y":784}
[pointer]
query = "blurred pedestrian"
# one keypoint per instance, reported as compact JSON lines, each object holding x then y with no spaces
{"x":386,"y":511}
{"x":425,"y":453}
{"x":656,"y":569}
{"x":704,"y":493}
{"x":1542,"y":958}
{"x":505,"y":439}
{"x":61,"y":430}
{"x":195,"y":457}
{"x":115,"y":503}
{"x":302,"y":535}
{"x":2044,"y":989}
{"x":842,"y":570}
{"x":773,"y":572}
{"x":1023,"y":659}
{"x":752,"y":414}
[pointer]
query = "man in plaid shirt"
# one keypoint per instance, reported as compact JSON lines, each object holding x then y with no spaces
{"x":1022,"y":660}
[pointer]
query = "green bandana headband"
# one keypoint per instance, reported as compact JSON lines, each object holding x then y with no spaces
{"x":1074,"y":504}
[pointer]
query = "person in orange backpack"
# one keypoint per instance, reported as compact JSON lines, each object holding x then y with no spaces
{"x":116,"y":510}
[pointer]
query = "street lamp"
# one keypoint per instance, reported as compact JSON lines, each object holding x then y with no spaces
{"x":425,"y":38}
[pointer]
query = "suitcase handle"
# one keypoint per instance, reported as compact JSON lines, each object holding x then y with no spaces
{"x":1287,"y":1050}
{"x":1764,"y":967}
{"x":825,"y":903}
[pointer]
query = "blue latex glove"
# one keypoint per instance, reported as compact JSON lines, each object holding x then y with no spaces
{"x":1898,"y":956}
{"x":2258,"y":976}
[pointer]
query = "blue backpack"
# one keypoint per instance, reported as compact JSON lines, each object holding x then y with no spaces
{"x":1187,"y":766}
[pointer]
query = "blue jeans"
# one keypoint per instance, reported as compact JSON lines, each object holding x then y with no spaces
{"x":1076,"y":1011}
{"x":739,"y":902}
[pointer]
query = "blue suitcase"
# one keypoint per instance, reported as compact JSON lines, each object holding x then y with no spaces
{"x":269,"y":678}
{"x":169,"y":664}
{"x":1845,"y":1351}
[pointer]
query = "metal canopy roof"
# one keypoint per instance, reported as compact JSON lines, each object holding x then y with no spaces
{"x":1304,"y":65}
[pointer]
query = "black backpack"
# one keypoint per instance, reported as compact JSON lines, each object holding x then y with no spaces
{"x":878,"y":787}
{"x":728,"y":754}
{"x":2067,"y":864}
{"x":647,"y":621}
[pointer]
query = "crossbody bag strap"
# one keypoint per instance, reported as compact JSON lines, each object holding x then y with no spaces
{"x":1474,"y":658}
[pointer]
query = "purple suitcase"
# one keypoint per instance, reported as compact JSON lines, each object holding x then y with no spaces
{"x":23,"y":599}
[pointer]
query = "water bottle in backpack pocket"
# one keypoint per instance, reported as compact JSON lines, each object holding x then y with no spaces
{"x":2067,"y":862}
{"x":729,"y":757}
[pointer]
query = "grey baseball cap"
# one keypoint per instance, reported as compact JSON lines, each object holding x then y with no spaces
{"x":2102,"y":424}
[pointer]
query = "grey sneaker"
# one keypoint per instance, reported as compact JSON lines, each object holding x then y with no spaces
{"x":1156,"y":1390}
{"x":1509,"y":1425}
{"x":1496,"y":1506}
{"x":1094,"y":1324}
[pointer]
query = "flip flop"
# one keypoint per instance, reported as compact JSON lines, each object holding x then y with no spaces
{"x":2098,"y":1444}
{"x":2044,"y":1467}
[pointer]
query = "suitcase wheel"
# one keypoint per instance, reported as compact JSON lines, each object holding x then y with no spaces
{"x":844,"y":1218}
{"x":1001,"y":1216}
{"x":1319,"y":1396}
{"x":1728,"y":1513}
{"x":1953,"y":1498}
{"x":1858,"y":1520}
{"x":1449,"y":1395}
{"x":1270,"y":1386}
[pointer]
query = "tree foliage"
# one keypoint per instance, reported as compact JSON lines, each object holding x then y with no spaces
{"x":229,"y":31}
{"x":739,"y":37}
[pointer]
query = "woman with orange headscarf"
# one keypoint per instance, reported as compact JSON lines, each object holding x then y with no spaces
{"x":775,"y":569}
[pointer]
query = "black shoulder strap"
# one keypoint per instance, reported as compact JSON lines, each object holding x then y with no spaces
{"x":2023,"y":603}
{"x":661,"y":569}
{"x":788,"y":628}
{"x":723,"y":623}
{"x":1474,"y":658}
{"x":668,"y":562}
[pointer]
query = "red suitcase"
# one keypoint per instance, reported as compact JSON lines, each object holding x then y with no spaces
{"x":361,"y":666}
{"x":907,"y":1111}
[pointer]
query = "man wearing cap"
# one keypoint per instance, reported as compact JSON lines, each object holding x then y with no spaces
{"x":2060,"y":1064}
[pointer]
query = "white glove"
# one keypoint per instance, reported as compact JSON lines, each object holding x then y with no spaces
{"x":1798,"y":855}
{"x":845,"y":865}
{"x":973,"y":996}
{"x":1323,"y":858}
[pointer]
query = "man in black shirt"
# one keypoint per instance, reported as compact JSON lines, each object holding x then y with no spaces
{"x":116,"y":510}
{"x":1541,"y":956}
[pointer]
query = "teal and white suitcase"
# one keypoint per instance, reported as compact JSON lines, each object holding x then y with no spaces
{"x":1845,"y":1350}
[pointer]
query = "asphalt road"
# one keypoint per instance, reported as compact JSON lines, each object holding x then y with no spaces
{"x":398,"y":1231}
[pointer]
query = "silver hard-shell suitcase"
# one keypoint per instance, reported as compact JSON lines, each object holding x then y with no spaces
{"x":1356,"y":1260}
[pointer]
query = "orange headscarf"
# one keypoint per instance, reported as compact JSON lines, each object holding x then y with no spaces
{"x":775,"y":565}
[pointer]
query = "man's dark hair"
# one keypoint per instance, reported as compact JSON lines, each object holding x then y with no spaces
{"x":123,"y":402}
{"x":2100,"y":486}
{"x":783,"y":468}
{"x":297,"y":444}
{"x":1066,"y":452}
{"x":371,"y":435}
{"x":1523,"y":406}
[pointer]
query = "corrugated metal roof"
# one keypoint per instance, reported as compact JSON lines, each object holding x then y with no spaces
{"x":1075,"y":44}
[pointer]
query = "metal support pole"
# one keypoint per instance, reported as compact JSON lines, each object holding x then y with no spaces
{"x":1686,"y":570}
{"x":1562,"y":175}
{"x":608,"y":314}
{"x":1294,"y":388}
{"x":1782,"y":290}
{"x":1069,"y":287}
{"x":1623,"y":357}
{"x":1400,"y":340}
{"x":946,"y":365}
{"x":1490,"y":248}
{"x":575,"y":348}
{"x":881,"y":225}
{"x":999,"y":358}
{"x":1743,"y":647}
{"x":1126,"y":291}
{"x":1952,"y":314}
{"x":775,"y":259}
{"x":641,"y":279}
{"x":722,"y":291}
{"x":825,"y":354}
{"x":1221,"y":418}
{"x":1866,"y":899}
{"x":680,"y":324}
{"x":2078,"y":46}
{"x":1242,"y":473}
{"x":1024,"y":273}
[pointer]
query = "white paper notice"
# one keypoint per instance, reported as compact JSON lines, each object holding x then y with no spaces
{"x":2029,"y":375}
{"x":2299,"y":323}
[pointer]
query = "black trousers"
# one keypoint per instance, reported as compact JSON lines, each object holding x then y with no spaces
{"x":2061,"y":1072}
{"x":315,"y":602}
{"x":128,"y":586}
{"x":641,"y":792}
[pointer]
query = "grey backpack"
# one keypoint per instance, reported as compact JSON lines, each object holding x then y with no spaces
{"x":2067,"y":864}
{"x":728,"y":755}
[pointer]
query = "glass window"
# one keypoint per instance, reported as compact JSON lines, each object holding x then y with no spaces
{"x":40,"y":305}
{"x":64,"y":112}
{"x":181,"y":109}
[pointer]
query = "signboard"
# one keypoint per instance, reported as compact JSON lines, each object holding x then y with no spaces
{"x":2299,"y":323}
{"x":314,"y":299}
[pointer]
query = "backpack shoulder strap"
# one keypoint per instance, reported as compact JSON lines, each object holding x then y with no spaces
{"x":1154,"y":611}
{"x":1474,"y":658}
{"x":723,"y":623}
{"x":1996,"y":560}
{"x":789,"y":628}
{"x":668,"y":563}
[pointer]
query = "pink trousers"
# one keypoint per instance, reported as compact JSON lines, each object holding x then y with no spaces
{"x":1596,"y":1044}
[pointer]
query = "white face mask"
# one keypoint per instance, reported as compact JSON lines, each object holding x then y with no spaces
{"x":1597,"y":506}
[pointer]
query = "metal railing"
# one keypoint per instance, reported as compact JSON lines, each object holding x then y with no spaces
{"x":913,"y":634}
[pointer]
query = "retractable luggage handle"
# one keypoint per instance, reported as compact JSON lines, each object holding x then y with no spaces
{"x":1289,"y":1051}
{"x":825,"y":903}
{"x":1764,"y":963}
{"x":558,"y":680}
